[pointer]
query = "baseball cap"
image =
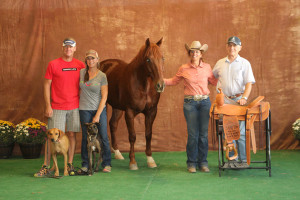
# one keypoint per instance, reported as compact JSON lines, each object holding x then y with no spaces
{"x":234,"y":40}
{"x":69,"y":41}
{"x":91,"y":53}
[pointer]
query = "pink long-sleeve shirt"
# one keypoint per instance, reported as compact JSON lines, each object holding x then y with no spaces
{"x":195,"y":78}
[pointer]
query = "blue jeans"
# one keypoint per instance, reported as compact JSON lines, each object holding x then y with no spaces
{"x":242,"y":141}
{"x":86,"y":116}
{"x":196,"y":114}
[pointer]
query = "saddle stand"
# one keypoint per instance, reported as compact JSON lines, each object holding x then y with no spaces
{"x":226,"y":117}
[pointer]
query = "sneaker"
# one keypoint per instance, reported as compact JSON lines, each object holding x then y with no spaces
{"x":205,"y":169}
{"x":71,"y":170}
{"x":107,"y":169}
{"x":44,"y":171}
{"x":192,"y":169}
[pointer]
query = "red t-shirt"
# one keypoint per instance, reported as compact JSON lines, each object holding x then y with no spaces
{"x":65,"y":83}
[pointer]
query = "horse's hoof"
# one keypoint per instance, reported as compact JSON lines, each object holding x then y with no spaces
{"x":133,"y":167}
{"x":151,"y":164}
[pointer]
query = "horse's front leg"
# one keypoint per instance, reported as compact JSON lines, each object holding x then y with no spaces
{"x":149,"y":119}
{"x":113,"y":125}
{"x":129,"y":118}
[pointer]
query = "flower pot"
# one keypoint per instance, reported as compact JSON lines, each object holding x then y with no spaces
{"x":6,"y":150}
{"x":30,"y":151}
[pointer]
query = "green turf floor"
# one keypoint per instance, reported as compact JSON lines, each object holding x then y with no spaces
{"x":170,"y":180}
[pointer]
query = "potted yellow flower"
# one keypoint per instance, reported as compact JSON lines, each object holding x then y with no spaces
{"x":7,"y":140}
{"x":31,"y":135}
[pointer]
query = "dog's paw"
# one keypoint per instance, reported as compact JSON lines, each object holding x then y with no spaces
{"x":66,"y":173}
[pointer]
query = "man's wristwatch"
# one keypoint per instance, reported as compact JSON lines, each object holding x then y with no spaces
{"x":245,"y":98}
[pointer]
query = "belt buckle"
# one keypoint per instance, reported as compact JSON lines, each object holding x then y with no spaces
{"x":198,"y":97}
{"x":234,"y":96}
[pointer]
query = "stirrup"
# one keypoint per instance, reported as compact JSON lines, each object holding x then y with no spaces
{"x":230,"y":147}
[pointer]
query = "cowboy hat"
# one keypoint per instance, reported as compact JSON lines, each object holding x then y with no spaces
{"x":196,"y":45}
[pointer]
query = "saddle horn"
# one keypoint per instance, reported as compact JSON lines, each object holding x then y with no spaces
{"x":220,"y":98}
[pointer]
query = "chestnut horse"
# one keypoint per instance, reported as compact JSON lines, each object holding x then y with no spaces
{"x":135,"y":88}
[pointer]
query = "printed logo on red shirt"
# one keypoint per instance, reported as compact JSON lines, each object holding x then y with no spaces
{"x":69,"y":69}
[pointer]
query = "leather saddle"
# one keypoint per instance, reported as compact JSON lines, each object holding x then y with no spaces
{"x":231,"y":112}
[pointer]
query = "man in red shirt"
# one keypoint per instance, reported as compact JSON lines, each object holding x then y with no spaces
{"x":61,"y":93}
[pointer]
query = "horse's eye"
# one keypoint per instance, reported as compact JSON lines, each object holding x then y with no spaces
{"x":148,"y":59}
{"x":163,"y":58}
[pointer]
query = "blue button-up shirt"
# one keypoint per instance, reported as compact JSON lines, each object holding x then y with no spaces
{"x":233,"y":76}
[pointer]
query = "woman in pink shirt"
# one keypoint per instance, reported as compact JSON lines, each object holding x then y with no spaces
{"x":196,"y":76}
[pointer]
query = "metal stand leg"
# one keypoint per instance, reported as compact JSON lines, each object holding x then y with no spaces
{"x":219,"y":146}
{"x":268,"y":146}
{"x":219,"y":154}
{"x":219,"y":132}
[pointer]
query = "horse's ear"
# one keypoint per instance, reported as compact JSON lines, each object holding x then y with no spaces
{"x":147,"y":43}
{"x":159,"y":42}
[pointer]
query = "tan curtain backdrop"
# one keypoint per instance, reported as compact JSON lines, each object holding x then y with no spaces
{"x":32,"y":32}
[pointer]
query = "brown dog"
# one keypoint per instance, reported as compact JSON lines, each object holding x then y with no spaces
{"x":59,"y":145}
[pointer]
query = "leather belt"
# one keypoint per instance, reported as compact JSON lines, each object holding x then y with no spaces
{"x":235,"y":96}
{"x":197,"y":97}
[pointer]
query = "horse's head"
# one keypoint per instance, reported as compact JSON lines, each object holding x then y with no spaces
{"x":154,"y":62}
